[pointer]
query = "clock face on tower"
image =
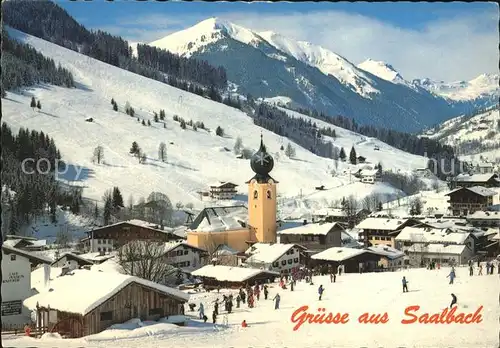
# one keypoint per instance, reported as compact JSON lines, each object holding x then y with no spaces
{"x":270,"y":181}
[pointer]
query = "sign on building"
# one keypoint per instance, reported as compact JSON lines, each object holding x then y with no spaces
{"x":11,"y":308}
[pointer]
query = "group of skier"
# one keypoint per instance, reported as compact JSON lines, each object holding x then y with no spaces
{"x":490,"y":267}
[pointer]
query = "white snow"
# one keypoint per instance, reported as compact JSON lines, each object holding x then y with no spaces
{"x":266,"y":253}
{"x":312,"y":229}
{"x":383,"y":70}
{"x":386,"y":251}
{"x":431,"y":235}
{"x":374,"y":223}
{"x":338,"y":254}
{"x":80,"y":291}
{"x":438,"y":249}
{"x":227,"y":273}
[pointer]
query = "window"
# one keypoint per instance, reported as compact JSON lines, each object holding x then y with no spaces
{"x":255,"y":194}
{"x":179,"y":252}
{"x":296,"y":260}
{"x":186,"y":252}
{"x":276,"y":264}
{"x":188,"y":263}
{"x":98,"y":249}
{"x":290,"y":261}
{"x":12,"y":257}
{"x":268,"y":194}
{"x":283,"y":262}
{"x":106,"y":316}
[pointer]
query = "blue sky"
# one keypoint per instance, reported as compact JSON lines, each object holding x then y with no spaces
{"x":413,"y":37}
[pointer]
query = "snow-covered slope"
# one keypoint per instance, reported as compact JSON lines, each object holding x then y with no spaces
{"x":268,"y":65}
{"x":481,"y":130}
{"x":194,"y":158}
{"x":383,"y":70}
{"x":483,"y":86}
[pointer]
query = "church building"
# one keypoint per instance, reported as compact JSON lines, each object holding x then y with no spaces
{"x":238,"y":227}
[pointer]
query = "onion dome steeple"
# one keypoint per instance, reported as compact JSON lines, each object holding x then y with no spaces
{"x":262,"y":163}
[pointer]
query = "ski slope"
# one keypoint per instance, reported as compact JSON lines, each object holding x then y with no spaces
{"x":352,"y":293}
{"x":195,"y":159}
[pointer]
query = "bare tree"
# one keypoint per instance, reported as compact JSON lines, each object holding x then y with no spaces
{"x":238,"y":145}
{"x":98,"y":154}
{"x":162,"y":152}
{"x":179,"y":205}
{"x":159,"y":209}
{"x":350,"y":208}
{"x":142,"y":158}
{"x":145,"y":259}
{"x":290,"y":151}
{"x":63,"y":237}
{"x":435,"y":185}
{"x":416,"y":206}
{"x":190,"y":206}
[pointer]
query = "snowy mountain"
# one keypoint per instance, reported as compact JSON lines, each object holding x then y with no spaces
{"x":268,"y":65}
{"x":383,"y":70}
{"x":195,"y":159}
{"x":483,"y":91}
{"x":471,"y":134}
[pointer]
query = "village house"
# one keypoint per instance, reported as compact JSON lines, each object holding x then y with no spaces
{"x":85,"y":302}
{"x":339,"y":215}
{"x":470,"y":180}
{"x":25,"y":243}
{"x":71,"y":261}
{"x":224,"y":255}
{"x":316,"y":237}
{"x":485,"y":168}
{"x":232,"y":277}
{"x":16,"y":285}
{"x":383,"y":230}
{"x":351,"y":259}
{"x":467,"y":200}
{"x":281,"y":258}
{"x":369,"y":176}
{"x":424,"y":245}
{"x":229,"y":226}
{"x":111,"y":237}
{"x":223,"y":190}
{"x":184,"y":256}
{"x":391,"y":258}
{"x":484,"y":219}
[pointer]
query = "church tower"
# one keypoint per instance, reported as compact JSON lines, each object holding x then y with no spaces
{"x":262,"y":197}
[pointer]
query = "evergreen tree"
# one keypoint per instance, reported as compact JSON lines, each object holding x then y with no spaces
{"x":156,"y":117}
{"x":162,"y":115}
{"x":38,"y":105}
{"x":143,"y":123}
{"x":108,"y":207}
{"x":135,"y":148}
{"x":290,"y":151}
{"x":96,"y":212}
{"x":353,"y":158}
{"x":342,"y":154}
{"x":183,"y":124}
{"x":98,"y":154}
{"x":33,"y":103}
{"x":219,"y":131}
{"x":115,"y":107}
{"x":149,"y":123}
{"x":117,"y":198}
{"x":112,"y":101}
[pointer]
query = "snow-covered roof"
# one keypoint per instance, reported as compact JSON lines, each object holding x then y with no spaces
{"x":387,"y":251}
{"x":267,"y":253}
{"x":368,"y":172}
{"x":222,"y":183}
{"x":333,"y":212}
{"x":465,"y":177}
{"x":81,"y":291}
{"x":216,"y":219}
{"x":230,"y":274}
{"x":373,"y":223}
{"x":97,"y":257}
{"x":224,"y":250}
{"x":437,"y":249}
{"x":338,"y":254}
{"x":483,"y":191}
{"x":75,"y":257}
{"x":431,"y":235}
{"x":484,"y":215}
{"x":134,"y":222}
{"x":312,"y":229}
{"x":29,"y":255}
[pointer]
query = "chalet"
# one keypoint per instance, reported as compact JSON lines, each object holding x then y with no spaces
{"x":383,"y":230}
{"x":361,"y":159}
{"x":339,"y":215}
{"x":424,"y":245}
{"x":233,"y":277}
{"x":25,"y":243}
{"x":485,"y":168}
{"x":391,"y":258}
{"x":111,"y":237}
{"x":369,"y":176}
{"x":281,"y":258}
{"x":223,"y":190}
{"x":467,"y":200}
{"x":225,"y":255}
{"x":71,"y":261}
{"x":424,"y":172}
{"x":16,"y":285}
{"x":484,"y":219}
{"x":317,"y":236}
{"x":184,"y":256}
{"x":84,"y":302}
{"x":470,"y":180}
{"x":350,"y":258}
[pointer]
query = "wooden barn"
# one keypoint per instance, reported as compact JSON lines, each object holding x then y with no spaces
{"x":232,"y":277}
{"x":84,"y":302}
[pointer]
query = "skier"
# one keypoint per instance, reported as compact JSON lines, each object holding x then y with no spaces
{"x":201,"y":309}
{"x":277,"y":300}
{"x":340,"y":270}
{"x":471,"y":270}
{"x":214,"y":316}
{"x":405,"y":284}
{"x":257,"y":291}
{"x":454,"y":300}
{"x":242,"y":295}
{"x":244,"y":324}
{"x":230,"y":303}
{"x":238,"y":300}
{"x":492,"y":266}
{"x":480,"y":268}
{"x":205,"y":318}
{"x":266,"y":292}
{"x":216,"y":307}
{"x":291,"y":285}
{"x":451,"y":276}
{"x":320,"y":291}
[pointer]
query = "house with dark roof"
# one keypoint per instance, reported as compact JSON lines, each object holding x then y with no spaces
{"x":468,"y":200}
{"x":470,"y":180}
{"x":71,"y":261}
{"x":223,"y":190}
